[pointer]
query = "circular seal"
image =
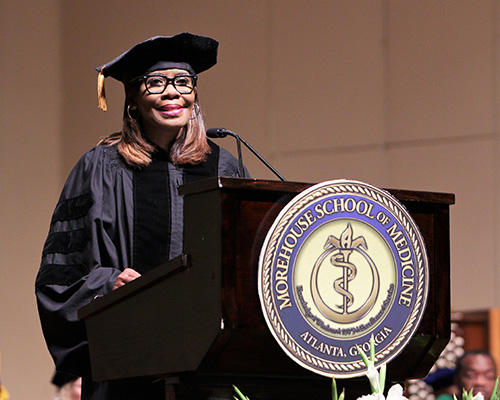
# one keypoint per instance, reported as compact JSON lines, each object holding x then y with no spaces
{"x":342,"y":262}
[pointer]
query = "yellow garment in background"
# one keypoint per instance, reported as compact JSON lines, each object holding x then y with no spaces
{"x":4,"y":395}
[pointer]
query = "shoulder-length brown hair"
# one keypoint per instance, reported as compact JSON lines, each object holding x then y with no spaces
{"x":190,"y":147}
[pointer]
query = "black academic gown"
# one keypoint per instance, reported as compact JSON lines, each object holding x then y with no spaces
{"x":110,"y":217}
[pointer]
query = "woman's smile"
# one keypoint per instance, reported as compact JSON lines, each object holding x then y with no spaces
{"x":171,"y":110}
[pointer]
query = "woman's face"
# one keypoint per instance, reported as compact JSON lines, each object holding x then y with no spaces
{"x":167,"y":112}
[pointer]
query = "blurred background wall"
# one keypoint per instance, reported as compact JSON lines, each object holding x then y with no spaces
{"x":400,"y":94}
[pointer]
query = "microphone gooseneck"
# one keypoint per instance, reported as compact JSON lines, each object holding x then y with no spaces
{"x":215,"y":133}
{"x":222,"y":133}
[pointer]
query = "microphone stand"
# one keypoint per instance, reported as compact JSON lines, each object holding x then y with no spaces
{"x":240,"y":157}
{"x":222,"y":132}
{"x":261,"y":159}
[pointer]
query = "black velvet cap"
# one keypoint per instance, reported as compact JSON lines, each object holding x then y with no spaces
{"x":185,"y":50}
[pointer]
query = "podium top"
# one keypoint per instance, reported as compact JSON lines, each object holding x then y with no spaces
{"x":297,"y":187}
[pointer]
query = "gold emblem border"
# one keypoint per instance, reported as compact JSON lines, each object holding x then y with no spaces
{"x":287,"y":342}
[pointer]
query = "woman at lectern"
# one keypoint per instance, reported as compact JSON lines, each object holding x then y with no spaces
{"x":119,"y":214}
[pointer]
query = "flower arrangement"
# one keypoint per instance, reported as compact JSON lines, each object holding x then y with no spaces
{"x":495,"y":395}
{"x":377,"y":384}
{"x":376,"y":378}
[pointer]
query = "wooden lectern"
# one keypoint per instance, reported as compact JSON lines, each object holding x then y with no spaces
{"x":197,"y":321}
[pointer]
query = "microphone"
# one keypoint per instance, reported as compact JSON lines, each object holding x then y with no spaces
{"x":222,"y":133}
{"x":215,"y":133}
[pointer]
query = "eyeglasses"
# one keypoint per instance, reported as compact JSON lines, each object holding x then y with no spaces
{"x":157,"y":83}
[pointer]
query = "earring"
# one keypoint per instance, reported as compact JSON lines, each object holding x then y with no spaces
{"x":129,"y":114}
{"x":196,"y":111}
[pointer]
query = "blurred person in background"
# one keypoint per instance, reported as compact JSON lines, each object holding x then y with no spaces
{"x":476,"y":370}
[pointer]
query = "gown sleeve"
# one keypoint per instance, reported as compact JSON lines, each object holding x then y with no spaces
{"x":229,"y":165}
{"x":85,"y":251}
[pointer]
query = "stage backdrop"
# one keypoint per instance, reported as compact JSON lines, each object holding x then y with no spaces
{"x":397,"y":94}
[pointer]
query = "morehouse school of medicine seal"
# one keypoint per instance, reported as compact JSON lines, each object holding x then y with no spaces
{"x":342,"y":262}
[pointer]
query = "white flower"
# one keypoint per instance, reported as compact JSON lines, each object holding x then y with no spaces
{"x":373,"y":377}
{"x":478,"y":396}
{"x":396,"y":393}
{"x":374,"y":396}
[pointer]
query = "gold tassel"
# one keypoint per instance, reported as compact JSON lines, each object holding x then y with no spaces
{"x":101,"y":93}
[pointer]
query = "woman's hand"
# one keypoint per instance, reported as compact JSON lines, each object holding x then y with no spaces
{"x":128,"y":275}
